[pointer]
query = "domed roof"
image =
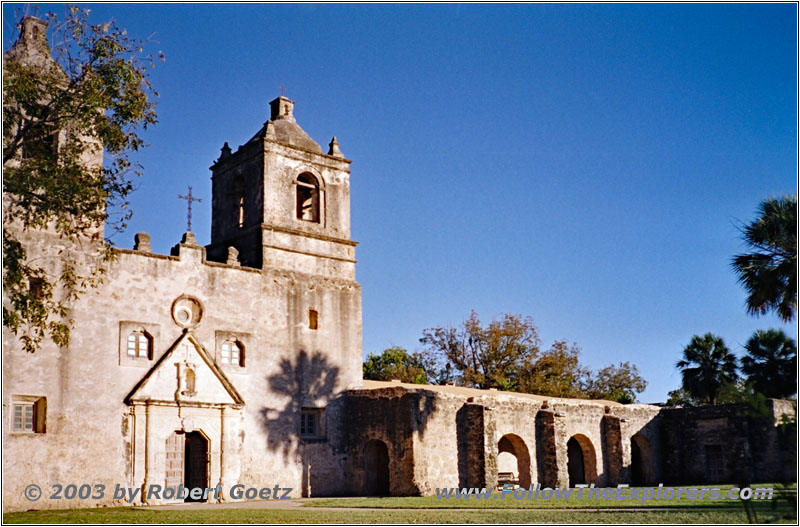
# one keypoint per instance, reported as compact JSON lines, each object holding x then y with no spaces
{"x":284,"y":127}
{"x":290,"y":133}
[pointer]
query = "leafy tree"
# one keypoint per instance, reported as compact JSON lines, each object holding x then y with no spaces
{"x":505,"y":354}
{"x":61,"y":110}
{"x":771,"y":363}
{"x":557,"y":372}
{"x":769,"y":273}
{"x":616,"y":383}
{"x":707,"y":366}
{"x":491,"y":356}
{"x":681,"y":397}
{"x":395,"y":363}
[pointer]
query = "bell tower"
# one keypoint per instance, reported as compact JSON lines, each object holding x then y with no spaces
{"x":282,"y":202}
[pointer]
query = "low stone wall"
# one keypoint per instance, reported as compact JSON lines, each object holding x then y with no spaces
{"x":731,"y":443}
{"x":448,"y":437}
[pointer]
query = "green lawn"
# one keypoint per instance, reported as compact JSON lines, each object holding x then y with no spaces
{"x":509,"y":502}
{"x":128,"y":515}
{"x":430,"y":510}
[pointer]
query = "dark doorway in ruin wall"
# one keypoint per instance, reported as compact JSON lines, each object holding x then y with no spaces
{"x":581,"y":461}
{"x":641,"y":461}
{"x":575,"y":466}
{"x":376,"y":468}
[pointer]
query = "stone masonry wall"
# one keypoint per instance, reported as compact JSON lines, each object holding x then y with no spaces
{"x":93,"y":437}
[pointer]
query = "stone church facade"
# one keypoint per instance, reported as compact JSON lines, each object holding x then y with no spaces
{"x":241,"y":363}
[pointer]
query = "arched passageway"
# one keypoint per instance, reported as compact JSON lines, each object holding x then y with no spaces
{"x":376,"y":468}
{"x":581,"y":461}
{"x":513,"y":458}
{"x":642,"y":469}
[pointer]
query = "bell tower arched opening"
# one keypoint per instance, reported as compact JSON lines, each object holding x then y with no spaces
{"x":308,"y":198}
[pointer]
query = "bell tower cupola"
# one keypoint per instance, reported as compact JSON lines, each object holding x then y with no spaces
{"x":282,"y":202}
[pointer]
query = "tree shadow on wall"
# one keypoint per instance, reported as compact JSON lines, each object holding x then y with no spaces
{"x":390,"y":419}
{"x":308,"y":382}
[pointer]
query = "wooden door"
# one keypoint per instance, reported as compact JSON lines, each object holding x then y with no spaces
{"x":175,"y":460}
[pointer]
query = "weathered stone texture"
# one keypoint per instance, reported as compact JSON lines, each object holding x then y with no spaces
{"x":748,"y":444}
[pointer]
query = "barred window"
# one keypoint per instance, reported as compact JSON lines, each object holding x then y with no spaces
{"x":309,"y":423}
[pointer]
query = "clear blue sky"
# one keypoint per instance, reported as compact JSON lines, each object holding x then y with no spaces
{"x":584,"y":164}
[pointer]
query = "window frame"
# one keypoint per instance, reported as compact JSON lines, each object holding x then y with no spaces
{"x":38,"y":414}
{"x":226,"y":359}
{"x":242,"y":340}
{"x":150,"y":331}
{"x":315,"y":416}
{"x":141,"y":339}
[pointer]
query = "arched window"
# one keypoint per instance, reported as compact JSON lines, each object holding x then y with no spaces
{"x":307,"y":198}
{"x":232,"y":353}
{"x":241,"y":211}
{"x":140,"y":344}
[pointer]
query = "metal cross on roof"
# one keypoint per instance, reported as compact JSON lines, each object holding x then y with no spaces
{"x":283,"y":90}
{"x":189,"y":199}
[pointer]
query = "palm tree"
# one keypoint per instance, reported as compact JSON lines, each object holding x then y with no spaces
{"x":769,"y":273}
{"x":706,"y":367}
{"x":771,"y":363}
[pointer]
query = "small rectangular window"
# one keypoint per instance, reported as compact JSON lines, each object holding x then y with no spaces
{"x":311,"y":423}
{"x":29,"y":414}
{"x":140,"y":345}
{"x":313,"y":319}
{"x":232,"y":353}
{"x":23,"y":417}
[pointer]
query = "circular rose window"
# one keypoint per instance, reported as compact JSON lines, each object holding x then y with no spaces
{"x":187,"y":311}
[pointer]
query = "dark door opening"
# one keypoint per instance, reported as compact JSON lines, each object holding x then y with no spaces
{"x":637,"y":470}
{"x":577,"y":474}
{"x":376,"y":468}
{"x":196,"y":462}
{"x":642,"y":467}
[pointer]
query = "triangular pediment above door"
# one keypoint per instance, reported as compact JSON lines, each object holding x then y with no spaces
{"x":185,"y":375}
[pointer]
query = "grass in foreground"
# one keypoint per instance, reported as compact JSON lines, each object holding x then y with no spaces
{"x":272,"y":516}
{"x":781,"y":498}
{"x":430,"y":510}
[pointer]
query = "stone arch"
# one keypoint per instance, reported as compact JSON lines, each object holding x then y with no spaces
{"x":642,"y":462}
{"x":376,"y":468}
{"x":308,"y":197}
{"x":513,"y":456}
{"x":581,"y":460}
